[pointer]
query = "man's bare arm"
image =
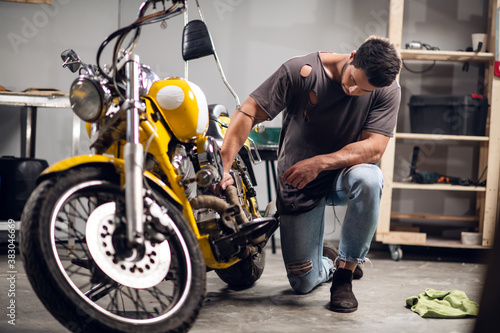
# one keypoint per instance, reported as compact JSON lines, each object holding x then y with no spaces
{"x":369,"y":149}
{"x":244,"y":119}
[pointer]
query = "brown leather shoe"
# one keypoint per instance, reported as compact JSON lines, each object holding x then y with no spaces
{"x":342,"y":298}
{"x":332,"y":253}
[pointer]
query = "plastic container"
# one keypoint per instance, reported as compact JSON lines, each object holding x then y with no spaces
{"x":472,"y":238}
{"x":449,"y":114}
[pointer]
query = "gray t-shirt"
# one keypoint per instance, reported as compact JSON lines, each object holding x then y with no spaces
{"x":311,"y":129}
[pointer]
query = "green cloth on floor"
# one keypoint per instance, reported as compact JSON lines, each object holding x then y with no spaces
{"x":442,"y":304}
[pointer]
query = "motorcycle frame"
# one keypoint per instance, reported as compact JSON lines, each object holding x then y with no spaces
{"x":142,"y":135}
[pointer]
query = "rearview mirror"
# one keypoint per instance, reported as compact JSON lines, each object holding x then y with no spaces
{"x":71,"y":60}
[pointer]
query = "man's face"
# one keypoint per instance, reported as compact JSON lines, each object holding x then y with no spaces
{"x":354,"y":81}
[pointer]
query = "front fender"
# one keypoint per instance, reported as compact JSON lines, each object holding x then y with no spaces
{"x":117,"y":163}
{"x":75,"y":161}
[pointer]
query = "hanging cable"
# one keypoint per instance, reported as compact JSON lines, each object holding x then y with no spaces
{"x":418,"y":45}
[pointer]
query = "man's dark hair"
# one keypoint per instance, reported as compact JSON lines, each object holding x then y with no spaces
{"x":379,"y":59}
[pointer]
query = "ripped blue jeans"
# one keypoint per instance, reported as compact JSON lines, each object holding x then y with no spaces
{"x":359,"y":188}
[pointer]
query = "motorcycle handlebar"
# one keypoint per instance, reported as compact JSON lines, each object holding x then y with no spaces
{"x":177,"y":7}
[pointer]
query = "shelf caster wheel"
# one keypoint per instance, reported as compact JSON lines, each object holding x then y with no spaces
{"x":396,"y":252}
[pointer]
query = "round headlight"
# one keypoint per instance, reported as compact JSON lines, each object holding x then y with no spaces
{"x":89,"y":99}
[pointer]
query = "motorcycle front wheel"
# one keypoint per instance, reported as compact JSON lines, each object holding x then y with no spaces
{"x":73,"y":242}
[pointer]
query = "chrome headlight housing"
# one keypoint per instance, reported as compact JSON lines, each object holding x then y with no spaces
{"x":89,"y":98}
{"x":147,"y":78}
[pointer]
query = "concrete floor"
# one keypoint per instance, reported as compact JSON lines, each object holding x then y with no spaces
{"x":271,"y":306}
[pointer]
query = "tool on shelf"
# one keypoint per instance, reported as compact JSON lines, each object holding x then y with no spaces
{"x":425,"y":177}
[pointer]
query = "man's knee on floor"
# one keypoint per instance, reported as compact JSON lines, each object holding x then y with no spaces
{"x":298,"y":276}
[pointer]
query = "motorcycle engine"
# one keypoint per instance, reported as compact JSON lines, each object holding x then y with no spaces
{"x":184,"y":166}
{"x":198,"y":170}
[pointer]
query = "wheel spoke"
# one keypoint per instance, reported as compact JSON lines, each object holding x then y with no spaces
{"x":157,"y":294}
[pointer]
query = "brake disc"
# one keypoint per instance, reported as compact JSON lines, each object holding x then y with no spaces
{"x":136,"y":270}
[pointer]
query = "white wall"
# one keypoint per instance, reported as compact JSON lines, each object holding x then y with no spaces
{"x":252,"y":39}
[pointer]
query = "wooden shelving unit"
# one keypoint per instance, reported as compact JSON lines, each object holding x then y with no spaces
{"x":447,"y":55}
{"x":438,"y":187}
{"x":440,"y":137}
{"x":490,"y":152}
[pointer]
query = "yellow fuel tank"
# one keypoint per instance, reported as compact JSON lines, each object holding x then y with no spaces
{"x":183,"y":105}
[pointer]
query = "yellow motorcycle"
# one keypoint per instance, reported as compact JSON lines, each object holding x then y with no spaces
{"x":121,"y":239}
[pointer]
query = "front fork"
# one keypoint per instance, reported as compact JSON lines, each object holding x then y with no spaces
{"x":133,"y":154}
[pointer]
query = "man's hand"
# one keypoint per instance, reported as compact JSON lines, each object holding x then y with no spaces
{"x":302,"y":173}
{"x":369,"y":150}
{"x":226,"y":181}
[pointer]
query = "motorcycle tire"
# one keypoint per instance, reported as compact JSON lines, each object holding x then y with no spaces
{"x":66,"y":224}
{"x":245,"y":272}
